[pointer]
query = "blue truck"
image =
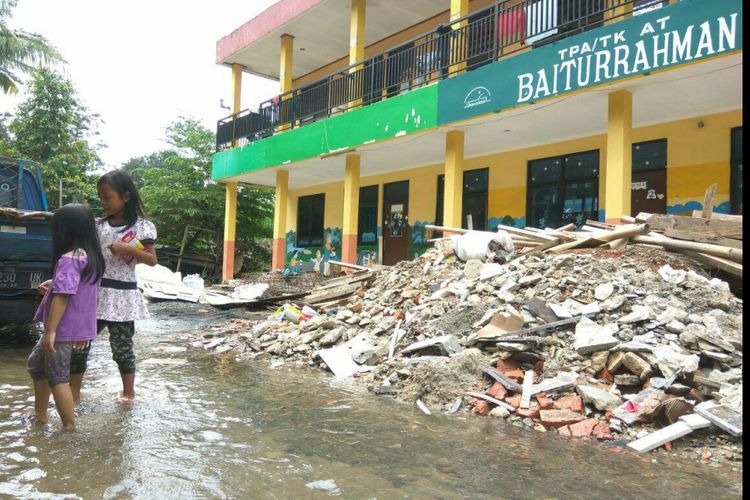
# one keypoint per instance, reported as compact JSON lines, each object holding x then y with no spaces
{"x":25,"y":239}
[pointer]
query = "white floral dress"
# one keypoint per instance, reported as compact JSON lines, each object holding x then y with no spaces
{"x":116,"y":304}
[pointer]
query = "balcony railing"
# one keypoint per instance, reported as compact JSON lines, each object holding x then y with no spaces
{"x":465,"y":44}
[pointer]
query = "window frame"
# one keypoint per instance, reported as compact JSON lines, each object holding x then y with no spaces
{"x":560,"y":185}
{"x":361,"y":206}
{"x":650,"y":169}
{"x":440,"y":198}
{"x":303,"y":209}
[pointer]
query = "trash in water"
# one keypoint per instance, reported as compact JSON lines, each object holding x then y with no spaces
{"x":328,"y":485}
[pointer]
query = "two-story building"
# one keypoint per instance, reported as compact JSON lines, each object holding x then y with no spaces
{"x":392,"y":115}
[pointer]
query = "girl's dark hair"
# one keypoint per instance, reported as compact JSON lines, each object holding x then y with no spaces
{"x":73,"y":227}
{"x":120,"y":181}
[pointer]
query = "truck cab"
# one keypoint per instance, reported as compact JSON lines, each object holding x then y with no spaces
{"x":25,"y":239}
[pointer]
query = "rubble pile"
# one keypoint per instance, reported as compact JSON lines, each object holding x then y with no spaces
{"x":611,"y":344}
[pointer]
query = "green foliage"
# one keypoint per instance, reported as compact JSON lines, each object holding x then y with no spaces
{"x":178,"y":191}
{"x":53,"y":128}
{"x":20,"y":51}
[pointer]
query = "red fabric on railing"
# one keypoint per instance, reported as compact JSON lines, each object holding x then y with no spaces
{"x":512,"y":23}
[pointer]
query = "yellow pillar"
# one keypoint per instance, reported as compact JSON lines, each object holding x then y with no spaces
{"x":285,"y":77}
{"x":230,"y":225}
{"x":618,"y":170}
{"x":459,"y":9}
{"x":279,"y":220}
{"x":236,"y":88}
{"x":454,"y":174}
{"x":351,"y":209}
{"x":356,"y":51}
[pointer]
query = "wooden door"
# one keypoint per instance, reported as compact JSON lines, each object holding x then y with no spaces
{"x":649,"y":192}
{"x":396,"y":229}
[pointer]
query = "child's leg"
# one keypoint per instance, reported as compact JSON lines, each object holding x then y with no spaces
{"x":57,"y":368}
{"x":64,"y":404}
{"x":35,"y":367}
{"x":41,"y":400}
{"x":78,"y":364}
{"x":121,"y":342}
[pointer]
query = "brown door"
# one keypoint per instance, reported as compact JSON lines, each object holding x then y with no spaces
{"x":396,"y":232}
{"x":649,"y":192}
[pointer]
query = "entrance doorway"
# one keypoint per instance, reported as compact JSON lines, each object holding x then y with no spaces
{"x":396,"y":230}
{"x":649,"y":180}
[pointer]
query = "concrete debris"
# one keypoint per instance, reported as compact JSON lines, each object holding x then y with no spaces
{"x":637,"y":337}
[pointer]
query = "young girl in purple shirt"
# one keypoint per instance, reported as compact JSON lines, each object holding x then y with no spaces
{"x":68,"y":310}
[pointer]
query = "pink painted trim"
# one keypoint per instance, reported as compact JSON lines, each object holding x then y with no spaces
{"x":261,"y":25}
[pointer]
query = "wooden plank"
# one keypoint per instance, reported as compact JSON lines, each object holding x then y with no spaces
{"x":600,"y":225}
{"x":726,"y":265}
{"x":545,"y":246}
{"x":505,"y":381}
{"x":697,"y":214}
{"x":699,"y":238}
{"x":708,"y":201}
{"x":658,"y":222}
{"x":660,"y":437}
{"x":346,"y":264}
{"x":734,"y":254}
{"x":492,"y":400}
{"x":528,"y":381}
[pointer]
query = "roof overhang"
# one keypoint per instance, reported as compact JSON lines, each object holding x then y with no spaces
{"x":320,"y":29}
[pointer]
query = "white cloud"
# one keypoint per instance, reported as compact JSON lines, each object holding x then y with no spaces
{"x":140,"y":64}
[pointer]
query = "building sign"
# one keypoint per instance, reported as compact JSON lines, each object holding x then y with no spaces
{"x":677,"y":34}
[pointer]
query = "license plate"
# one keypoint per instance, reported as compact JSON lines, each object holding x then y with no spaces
{"x":20,"y":279}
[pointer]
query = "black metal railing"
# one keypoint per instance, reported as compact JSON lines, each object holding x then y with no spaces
{"x":463,"y":45}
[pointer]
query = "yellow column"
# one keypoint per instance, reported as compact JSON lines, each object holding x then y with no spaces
{"x":356,"y":51}
{"x":351,"y":209}
{"x":618,"y":170}
{"x":459,"y":9}
{"x":617,"y":11}
{"x":285,"y":77}
{"x":279,"y":220}
{"x":454,"y":174}
{"x":230,"y":224}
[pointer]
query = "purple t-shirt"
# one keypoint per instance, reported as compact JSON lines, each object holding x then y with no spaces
{"x":79,"y":319}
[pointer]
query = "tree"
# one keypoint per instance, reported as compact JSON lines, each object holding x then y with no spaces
{"x":178,"y":192}
{"x":54,"y":128}
{"x":20,"y":51}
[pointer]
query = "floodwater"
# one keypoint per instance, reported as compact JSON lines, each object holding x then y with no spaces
{"x":203,"y":428}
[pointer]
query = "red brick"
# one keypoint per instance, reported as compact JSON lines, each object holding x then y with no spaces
{"x":602,"y":431}
{"x":564,"y":431}
{"x":532,"y":412}
{"x":539,"y":366}
{"x":605,"y":375}
{"x":583,"y":428}
{"x":480,"y":407}
{"x":399,"y":314}
{"x":559,"y":418}
{"x":694,"y":395}
{"x":514,"y":401}
{"x":356,"y":307}
{"x":361,"y":293}
{"x":608,"y":415}
{"x":668,"y":446}
{"x":497,"y":391}
{"x":572,"y":403}
{"x":545,"y":403}
{"x":506,"y":365}
{"x":516,"y":375}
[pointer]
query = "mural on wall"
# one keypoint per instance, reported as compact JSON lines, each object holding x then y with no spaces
{"x":687,"y":208}
{"x":313,"y":259}
{"x":493,"y":223}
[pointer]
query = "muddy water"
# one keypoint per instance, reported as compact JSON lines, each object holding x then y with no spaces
{"x":208,"y":429}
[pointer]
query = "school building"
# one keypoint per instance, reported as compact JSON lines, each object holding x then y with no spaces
{"x":392,"y":115}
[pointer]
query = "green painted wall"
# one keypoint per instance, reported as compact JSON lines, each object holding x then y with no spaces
{"x":677,"y":34}
{"x":411,"y":112}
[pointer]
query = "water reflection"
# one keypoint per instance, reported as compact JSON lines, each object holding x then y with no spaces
{"x":208,"y":429}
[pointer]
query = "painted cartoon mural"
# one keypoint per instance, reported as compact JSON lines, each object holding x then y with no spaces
{"x":313,"y":259}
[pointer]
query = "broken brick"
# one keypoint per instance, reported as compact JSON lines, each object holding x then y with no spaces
{"x":506,"y":365}
{"x":356,"y":307}
{"x":514,"y":401}
{"x":545,"y":403}
{"x":605,"y":375}
{"x":583,"y":428}
{"x":694,"y":395}
{"x":532,"y":412}
{"x":572,"y":403}
{"x":602,"y":431}
{"x":668,"y":446}
{"x":559,"y":418}
{"x":480,"y":407}
{"x":497,"y":391}
{"x":399,"y":314}
{"x":564,"y":431}
{"x":516,"y":375}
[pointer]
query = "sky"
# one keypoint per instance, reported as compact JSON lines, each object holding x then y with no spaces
{"x":141,"y":64}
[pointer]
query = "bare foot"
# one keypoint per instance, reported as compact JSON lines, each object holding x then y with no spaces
{"x":125,"y":400}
